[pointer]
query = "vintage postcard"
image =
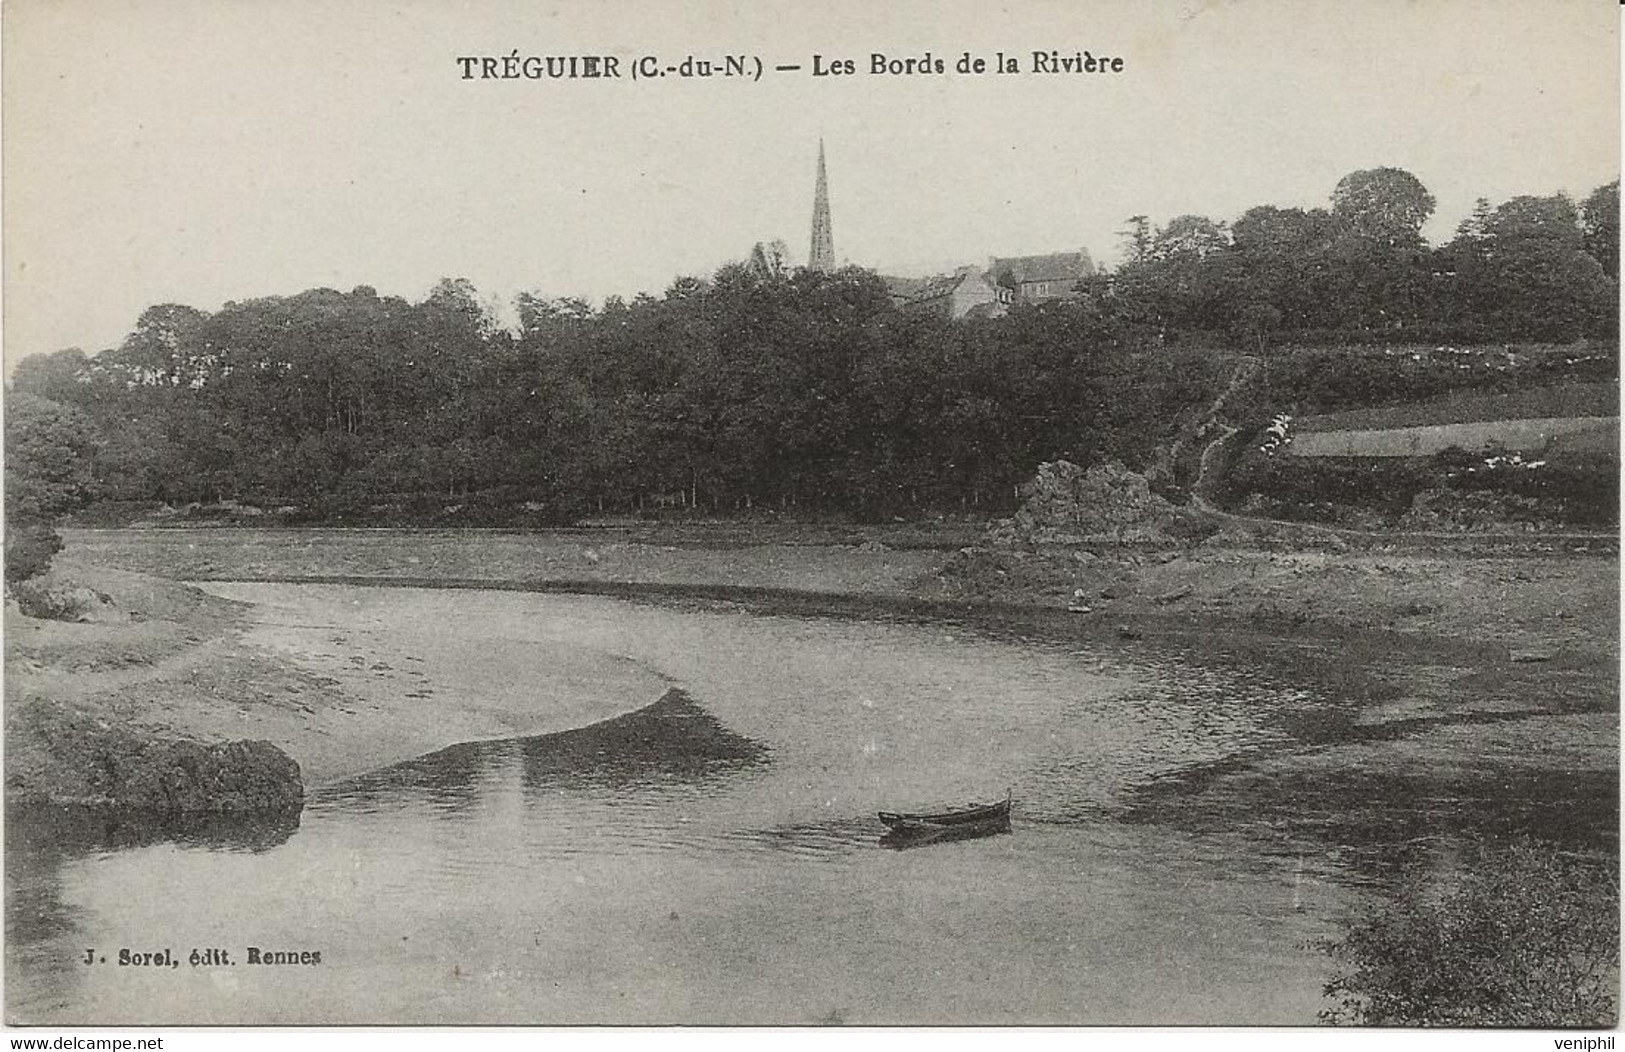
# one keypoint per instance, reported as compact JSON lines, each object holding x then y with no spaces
{"x":1047,"y":513}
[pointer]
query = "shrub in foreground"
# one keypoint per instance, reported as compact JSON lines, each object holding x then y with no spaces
{"x":1527,"y":938}
{"x":28,"y":551}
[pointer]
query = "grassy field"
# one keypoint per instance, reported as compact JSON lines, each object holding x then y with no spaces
{"x":1560,"y":401}
{"x":1524,"y":435}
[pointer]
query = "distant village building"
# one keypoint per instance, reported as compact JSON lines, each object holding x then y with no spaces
{"x":1035,"y":279}
{"x":969,"y":292}
{"x":966,"y":293}
{"x":904,"y":289}
{"x":973,"y":292}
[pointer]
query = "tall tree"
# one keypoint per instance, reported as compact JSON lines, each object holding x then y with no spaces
{"x":1387,"y":206}
{"x":1137,"y":239}
{"x":1381,"y":254}
{"x":62,"y":376}
{"x":1553,"y":219}
{"x":1284,"y":269}
{"x":165,"y":348}
{"x":1476,"y":226}
{"x":1600,"y":221}
{"x":1191,"y":237}
{"x":49,"y":471}
{"x":1524,"y":273}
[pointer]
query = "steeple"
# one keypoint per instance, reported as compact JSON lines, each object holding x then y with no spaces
{"x":822,"y":254}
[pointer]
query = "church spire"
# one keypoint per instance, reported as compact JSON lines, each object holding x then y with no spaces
{"x":822,"y":254}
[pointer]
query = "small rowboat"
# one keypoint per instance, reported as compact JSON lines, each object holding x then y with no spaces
{"x":971,"y":815}
{"x":901,"y":837}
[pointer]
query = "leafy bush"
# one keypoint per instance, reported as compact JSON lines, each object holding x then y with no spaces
{"x":1575,"y":492}
{"x":1320,"y":489}
{"x":28,"y":551}
{"x":1528,"y":937}
{"x":50,"y":451}
{"x":1330,"y":377}
{"x":1189,"y":526}
{"x":1384,"y":491}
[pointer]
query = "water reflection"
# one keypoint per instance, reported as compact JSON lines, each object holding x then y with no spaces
{"x":905,"y":837}
{"x":830,"y":838}
{"x":715,"y":856}
{"x":672,"y":741}
{"x":43,"y":840}
{"x":69,"y":830}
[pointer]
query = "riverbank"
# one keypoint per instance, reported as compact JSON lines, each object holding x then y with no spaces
{"x":1557,"y":603}
{"x":1529,"y":640}
{"x":173,"y":696}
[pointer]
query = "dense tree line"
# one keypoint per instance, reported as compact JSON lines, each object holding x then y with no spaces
{"x":741,"y":393}
{"x":1532,"y":268}
{"x":762,"y":389}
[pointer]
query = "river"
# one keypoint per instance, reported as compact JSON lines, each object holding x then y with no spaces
{"x":709,"y":853}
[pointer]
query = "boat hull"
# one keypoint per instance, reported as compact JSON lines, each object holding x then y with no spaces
{"x":978,"y":814}
{"x":908,"y":836}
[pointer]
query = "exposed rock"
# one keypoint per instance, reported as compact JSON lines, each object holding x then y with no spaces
{"x":51,"y":600}
{"x":1103,"y":498}
{"x":1064,"y":503}
{"x":57,"y":755}
{"x":187,"y":776}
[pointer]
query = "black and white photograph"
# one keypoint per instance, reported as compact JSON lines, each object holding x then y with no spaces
{"x":775,"y":515}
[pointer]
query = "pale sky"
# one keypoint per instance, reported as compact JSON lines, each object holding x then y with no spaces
{"x":199,"y":151}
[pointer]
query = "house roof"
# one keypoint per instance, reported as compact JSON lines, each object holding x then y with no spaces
{"x":931,"y":288}
{"x":1055,"y":266}
{"x":904,"y":288}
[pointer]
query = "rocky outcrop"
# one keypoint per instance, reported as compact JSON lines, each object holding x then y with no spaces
{"x":52,"y":600}
{"x":1104,"y":498}
{"x":188,"y":776}
{"x":59,"y":756}
{"x":1065,"y":503}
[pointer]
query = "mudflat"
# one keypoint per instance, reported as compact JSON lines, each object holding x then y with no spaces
{"x":1420,"y":634}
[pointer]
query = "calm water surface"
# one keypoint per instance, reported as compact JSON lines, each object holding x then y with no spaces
{"x":712,"y":854}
